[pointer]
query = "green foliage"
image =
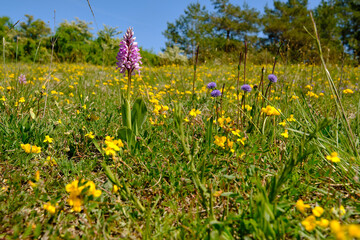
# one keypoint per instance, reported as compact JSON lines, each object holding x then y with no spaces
{"x":285,"y":23}
{"x":219,"y":33}
{"x":349,"y":15}
{"x":173,"y":55}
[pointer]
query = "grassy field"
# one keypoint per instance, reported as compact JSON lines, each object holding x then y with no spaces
{"x":279,"y":162}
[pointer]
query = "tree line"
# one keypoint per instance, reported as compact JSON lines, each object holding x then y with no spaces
{"x":218,"y":33}
{"x":33,"y":41}
{"x":223,"y":30}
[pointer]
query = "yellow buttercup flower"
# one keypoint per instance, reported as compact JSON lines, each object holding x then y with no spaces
{"x":318,"y":211}
{"x":115,"y":189}
{"x":90,"y":135}
{"x":48,"y":139}
{"x":333,"y":157}
{"x":311,"y":94}
{"x":241,"y":140}
{"x":324,"y":223}
{"x":247,"y":107}
{"x":271,"y":111}
{"x":291,"y":118}
{"x":309,"y":223}
{"x":112,"y":146}
{"x":283,"y":123}
{"x":76,"y":197}
{"x":285,"y":134}
{"x":194,"y":112}
{"x":37,"y":176}
{"x":301,"y":206}
{"x":354,"y":231}
{"x":335,"y":226}
{"x":294,"y":97}
{"x":339,"y":211}
{"x":50,"y":208}
{"x":30,"y":148}
{"x":220,"y":141}
{"x":348,"y":91}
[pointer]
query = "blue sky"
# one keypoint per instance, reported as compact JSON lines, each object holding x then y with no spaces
{"x":148,"y":17}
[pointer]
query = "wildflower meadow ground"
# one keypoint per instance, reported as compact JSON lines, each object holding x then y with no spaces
{"x":177,"y":152}
{"x":202,"y":165}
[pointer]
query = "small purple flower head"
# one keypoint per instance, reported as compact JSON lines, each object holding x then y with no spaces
{"x":22,"y":79}
{"x":272,"y":78}
{"x":211,"y":85}
{"x":129,"y":54}
{"x":216,"y":93}
{"x":246,"y":88}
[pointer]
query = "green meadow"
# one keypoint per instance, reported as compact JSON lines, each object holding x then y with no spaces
{"x":230,"y":167}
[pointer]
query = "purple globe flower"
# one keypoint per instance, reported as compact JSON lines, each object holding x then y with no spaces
{"x":129,"y":54}
{"x":216,"y":93}
{"x":22,"y":79}
{"x":211,"y":85}
{"x":272,"y":78}
{"x":246,"y":88}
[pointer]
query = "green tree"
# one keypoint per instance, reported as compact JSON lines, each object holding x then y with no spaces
{"x":34,"y":29}
{"x":190,"y":29}
{"x":73,"y":41}
{"x":4,"y":26}
{"x":327,"y":21}
{"x":105,"y":46}
{"x":349,"y":23}
{"x":285,"y":23}
{"x":233,"y":23}
{"x":28,"y":39}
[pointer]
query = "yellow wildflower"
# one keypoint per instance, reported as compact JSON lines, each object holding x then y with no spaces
{"x":294,"y":97}
{"x":50,"y":208}
{"x":112,"y":146}
{"x":283,"y":123}
{"x":301,"y":206}
{"x":335,"y":226}
{"x":311,"y":94}
{"x":323,"y":223}
{"x":48,"y":139}
{"x":271,"y":111}
{"x":285,"y":134}
{"x":241,"y":140}
{"x":348,"y":91}
{"x":308,"y":87}
{"x":230,"y":144}
{"x":115,"y":189}
{"x":247,"y":107}
{"x":220,"y":141}
{"x":194,"y":112}
{"x":291,"y":118}
{"x":339,"y":211}
{"x":37,"y":176}
{"x":90,"y":135}
{"x":333,"y":157}
{"x":354,"y":231}
{"x":309,"y":223}
{"x":318,"y":211}
{"x":30,"y":149}
{"x":50,"y":161}
{"x":76,"y":193}
{"x":32,"y":184}
{"x":236,"y":132}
